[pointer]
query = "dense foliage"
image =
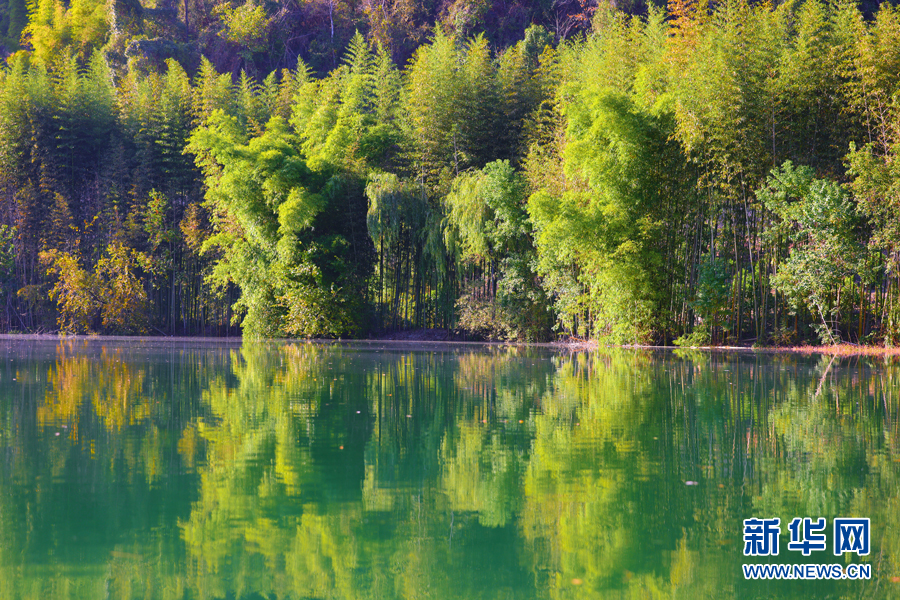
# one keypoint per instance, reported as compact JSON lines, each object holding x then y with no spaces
{"x":699,"y":174}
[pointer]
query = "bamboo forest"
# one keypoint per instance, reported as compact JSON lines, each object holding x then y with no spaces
{"x":449,"y":299}
{"x":695,"y":173}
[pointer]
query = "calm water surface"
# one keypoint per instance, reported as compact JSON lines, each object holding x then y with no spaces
{"x":212,"y":470}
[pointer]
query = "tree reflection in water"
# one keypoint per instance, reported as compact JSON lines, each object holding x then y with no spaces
{"x":365,"y":471}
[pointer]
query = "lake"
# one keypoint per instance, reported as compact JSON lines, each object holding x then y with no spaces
{"x":213,"y":469}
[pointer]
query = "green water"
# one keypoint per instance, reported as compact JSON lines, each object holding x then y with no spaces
{"x":195,"y":469}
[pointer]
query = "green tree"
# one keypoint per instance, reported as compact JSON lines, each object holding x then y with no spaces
{"x":266,"y":200}
{"x":13,"y":21}
{"x":488,"y":227}
{"x":56,"y":30}
{"x":625,"y":177}
{"x":819,"y":220}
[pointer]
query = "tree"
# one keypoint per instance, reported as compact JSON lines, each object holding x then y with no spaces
{"x":12,"y":23}
{"x":56,"y":30}
{"x":819,"y":220}
{"x":876,"y":189}
{"x":487,"y":227}
{"x":110,"y":299}
{"x":266,"y":200}
{"x":605,"y":237}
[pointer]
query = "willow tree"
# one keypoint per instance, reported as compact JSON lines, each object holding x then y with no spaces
{"x":488,"y":229}
{"x":412,"y":285}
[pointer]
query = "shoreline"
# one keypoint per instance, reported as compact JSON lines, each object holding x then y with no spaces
{"x":836,"y":350}
{"x":570,"y":344}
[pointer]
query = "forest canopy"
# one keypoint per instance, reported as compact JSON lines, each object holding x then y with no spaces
{"x":697,"y":173}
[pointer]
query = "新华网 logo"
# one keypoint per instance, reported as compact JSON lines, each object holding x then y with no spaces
{"x":761,"y":536}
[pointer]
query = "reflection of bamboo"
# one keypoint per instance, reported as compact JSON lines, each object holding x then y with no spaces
{"x":824,"y":375}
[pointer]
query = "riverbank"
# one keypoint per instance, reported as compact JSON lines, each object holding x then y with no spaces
{"x":841,"y":350}
{"x":836,"y":350}
{"x":424,"y":336}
